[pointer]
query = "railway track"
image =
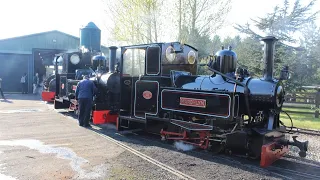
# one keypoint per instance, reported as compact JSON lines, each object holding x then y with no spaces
{"x":145,"y":157}
{"x":308,"y":131}
{"x":304,"y":131}
{"x":291,"y":174}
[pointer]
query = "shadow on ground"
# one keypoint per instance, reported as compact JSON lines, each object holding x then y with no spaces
{"x":10,"y":97}
{"x":6,"y":101}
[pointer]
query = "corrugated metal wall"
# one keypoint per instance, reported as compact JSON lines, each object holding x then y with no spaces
{"x":12,"y":67}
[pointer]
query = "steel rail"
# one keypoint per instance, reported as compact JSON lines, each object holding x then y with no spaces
{"x":143,"y":156}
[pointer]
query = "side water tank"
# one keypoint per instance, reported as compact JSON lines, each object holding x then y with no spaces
{"x":90,"y":37}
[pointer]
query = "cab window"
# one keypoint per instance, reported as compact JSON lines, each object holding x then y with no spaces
{"x":134,"y":62}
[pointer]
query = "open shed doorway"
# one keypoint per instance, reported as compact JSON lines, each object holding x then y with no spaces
{"x":43,"y":62}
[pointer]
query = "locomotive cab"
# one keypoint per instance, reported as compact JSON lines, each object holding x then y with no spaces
{"x":145,"y":69}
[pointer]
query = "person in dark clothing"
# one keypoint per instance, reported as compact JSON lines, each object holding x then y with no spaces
{"x":84,"y":95}
{"x":1,"y":90}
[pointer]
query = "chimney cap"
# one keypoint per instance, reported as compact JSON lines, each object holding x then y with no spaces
{"x":113,"y":47}
{"x":269,"y":38}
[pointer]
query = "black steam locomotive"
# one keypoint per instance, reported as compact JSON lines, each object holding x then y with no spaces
{"x":155,"y":87}
{"x":75,"y":65}
{"x":228,"y":110}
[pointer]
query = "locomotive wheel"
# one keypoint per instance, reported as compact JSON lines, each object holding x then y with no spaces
{"x":216,"y":147}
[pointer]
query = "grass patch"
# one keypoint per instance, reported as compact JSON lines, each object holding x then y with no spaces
{"x":297,"y":109}
{"x":301,"y":120}
{"x":308,"y":106}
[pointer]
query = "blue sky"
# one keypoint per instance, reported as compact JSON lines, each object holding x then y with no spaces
{"x":22,"y":17}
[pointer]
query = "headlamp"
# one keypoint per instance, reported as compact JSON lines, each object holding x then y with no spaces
{"x":75,"y":59}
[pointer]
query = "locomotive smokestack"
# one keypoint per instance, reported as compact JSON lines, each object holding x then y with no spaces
{"x":112,"y":58}
{"x":269,"y":47}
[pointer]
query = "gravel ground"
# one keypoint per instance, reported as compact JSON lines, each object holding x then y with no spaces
{"x":313,"y":147}
{"x":128,"y":167}
{"x":199,"y":165}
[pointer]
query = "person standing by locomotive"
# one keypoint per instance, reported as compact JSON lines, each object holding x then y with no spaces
{"x":35,"y":83}
{"x":1,"y":90}
{"x":23,"y":82}
{"x":84,"y":95}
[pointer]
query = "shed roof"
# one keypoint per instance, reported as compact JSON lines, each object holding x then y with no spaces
{"x":44,"y":40}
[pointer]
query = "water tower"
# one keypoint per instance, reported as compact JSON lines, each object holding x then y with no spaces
{"x":90,"y":38}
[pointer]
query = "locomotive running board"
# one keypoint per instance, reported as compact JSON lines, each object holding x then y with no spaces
{"x":191,"y":126}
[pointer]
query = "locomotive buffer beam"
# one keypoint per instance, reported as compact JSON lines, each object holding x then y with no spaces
{"x":202,"y":131}
{"x":275,"y":150}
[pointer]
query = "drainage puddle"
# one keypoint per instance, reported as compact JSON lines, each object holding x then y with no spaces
{"x":61,"y":152}
{"x":19,"y":111}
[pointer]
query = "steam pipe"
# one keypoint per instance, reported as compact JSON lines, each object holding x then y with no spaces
{"x":112,"y":58}
{"x":269,"y":47}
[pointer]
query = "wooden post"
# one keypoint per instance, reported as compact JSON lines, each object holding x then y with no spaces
{"x":316,"y":114}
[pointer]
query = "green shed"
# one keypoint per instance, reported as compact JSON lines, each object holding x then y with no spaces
{"x":32,"y":54}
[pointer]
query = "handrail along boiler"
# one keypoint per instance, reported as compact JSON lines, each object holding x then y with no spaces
{"x":227,"y":111}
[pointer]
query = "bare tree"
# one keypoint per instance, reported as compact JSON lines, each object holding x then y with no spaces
{"x":201,"y":16}
{"x":135,"y":21}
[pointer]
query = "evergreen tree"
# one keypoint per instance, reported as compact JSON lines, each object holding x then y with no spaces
{"x":285,"y":23}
